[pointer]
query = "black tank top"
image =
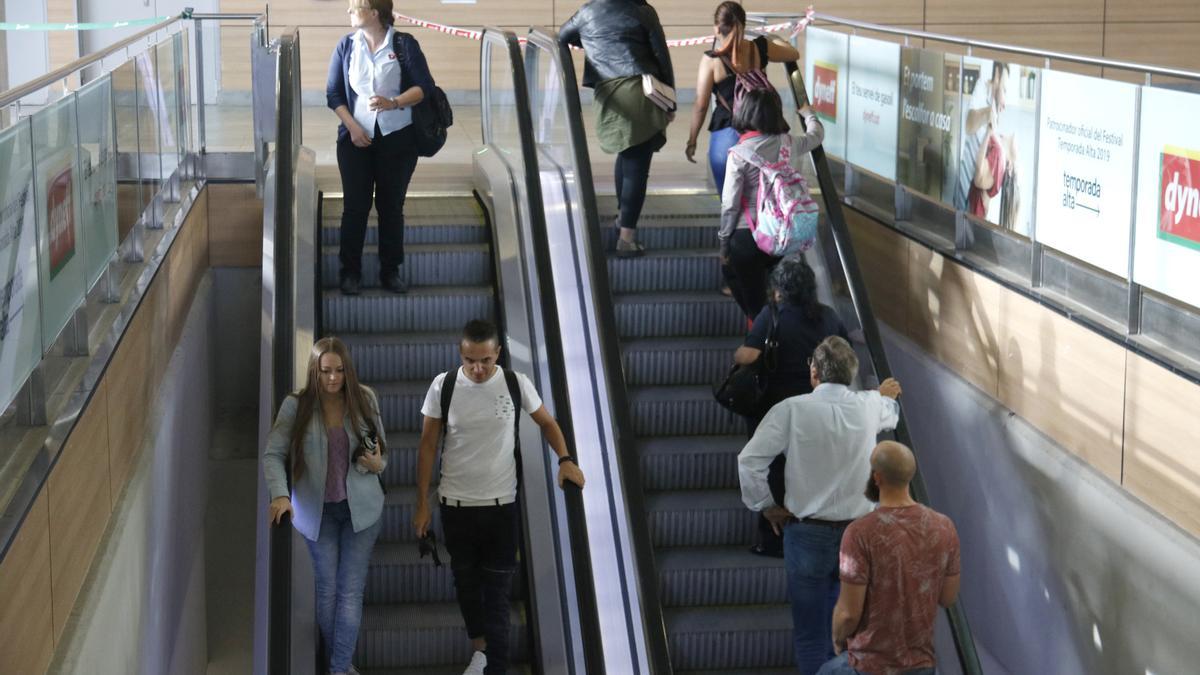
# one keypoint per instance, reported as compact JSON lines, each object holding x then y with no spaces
{"x":722,"y":117}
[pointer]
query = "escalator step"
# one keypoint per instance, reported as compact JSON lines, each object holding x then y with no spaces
{"x":666,"y":270}
{"x":424,"y":265}
{"x":677,"y":315}
{"x":398,"y":574}
{"x":674,"y":233}
{"x":379,"y":357}
{"x":400,"y":403}
{"x":699,"y":518}
{"x":730,"y":637}
{"x":677,"y":411}
{"x":677,"y":360}
{"x":690,"y":577}
{"x":398,"y":508}
{"x":401,"y":468}
{"x":421,"y":309}
{"x":416,"y":233}
{"x":667,"y":206}
{"x":690,"y":462}
{"x":514,"y":669}
{"x":426,"y":634}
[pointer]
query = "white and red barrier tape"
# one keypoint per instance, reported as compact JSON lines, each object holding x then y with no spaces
{"x":794,"y":26}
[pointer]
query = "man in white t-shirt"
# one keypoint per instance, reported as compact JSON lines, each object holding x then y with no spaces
{"x":478,"y":488}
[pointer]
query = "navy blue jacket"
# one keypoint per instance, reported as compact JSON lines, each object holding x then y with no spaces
{"x":414,"y":72}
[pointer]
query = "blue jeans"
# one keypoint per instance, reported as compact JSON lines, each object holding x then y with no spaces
{"x":841,"y":666}
{"x":810,"y":554}
{"x":340,"y":558}
{"x":719,"y":143}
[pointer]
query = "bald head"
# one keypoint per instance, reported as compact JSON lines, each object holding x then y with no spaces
{"x":894,"y":463}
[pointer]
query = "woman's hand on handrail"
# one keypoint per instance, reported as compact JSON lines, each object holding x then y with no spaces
{"x":277,"y":508}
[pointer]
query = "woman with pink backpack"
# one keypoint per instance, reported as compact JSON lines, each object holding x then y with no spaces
{"x":766,"y":209}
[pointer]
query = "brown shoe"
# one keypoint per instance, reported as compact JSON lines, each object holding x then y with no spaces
{"x":629,"y":249}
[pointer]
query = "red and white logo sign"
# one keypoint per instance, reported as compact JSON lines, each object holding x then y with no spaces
{"x":61,"y":208}
{"x":825,"y":90}
{"x":1179,"y":197}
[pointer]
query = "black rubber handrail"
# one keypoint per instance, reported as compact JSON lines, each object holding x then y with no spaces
{"x":964,"y":643}
{"x":629,"y":462}
{"x":585,"y":590}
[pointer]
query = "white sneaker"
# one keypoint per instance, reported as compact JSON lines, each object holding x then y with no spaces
{"x":478,"y":663}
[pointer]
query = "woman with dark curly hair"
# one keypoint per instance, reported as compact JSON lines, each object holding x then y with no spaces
{"x":801,"y":323}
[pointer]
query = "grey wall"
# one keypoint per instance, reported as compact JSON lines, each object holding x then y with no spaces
{"x":1063,"y":571}
{"x":142,"y":609}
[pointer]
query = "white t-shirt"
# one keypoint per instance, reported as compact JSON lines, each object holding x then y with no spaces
{"x":478,"y":462}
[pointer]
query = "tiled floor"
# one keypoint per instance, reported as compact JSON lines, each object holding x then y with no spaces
{"x":229,"y":128}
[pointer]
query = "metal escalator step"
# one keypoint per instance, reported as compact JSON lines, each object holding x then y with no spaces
{"x":379,"y":357}
{"x":736,"y":638}
{"x":515,"y":669}
{"x":398,"y":508}
{"x":399,"y":574}
{"x":401,"y":468}
{"x":425,"y":634}
{"x":463,"y":208}
{"x":400,"y":403}
{"x":690,"y":577}
{"x":680,"y":410}
{"x":699,"y":518}
{"x":677,"y":315}
{"x":666,"y":270}
{"x":690,"y":462}
{"x":677,"y":360}
{"x":418,"y":232}
{"x":424,"y":265}
{"x":421,"y":309}
{"x":667,"y":206}
{"x":673,"y":233}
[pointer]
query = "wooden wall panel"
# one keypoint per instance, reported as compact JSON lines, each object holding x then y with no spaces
{"x":1065,"y":379}
{"x":63,"y":45}
{"x":977,"y":12}
{"x":188,"y":260}
{"x":883,"y":259}
{"x":128,"y":382}
{"x":79,"y":503}
{"x":235,"y":220}
{"x":1158,"y":10}
{"x":1086,"y":39}
{"x":954,"y":315}
{"x":26,"y":621}
{"x":327,"y":13}
{"x":1162,"y":465}
{"x":1173,"y":45}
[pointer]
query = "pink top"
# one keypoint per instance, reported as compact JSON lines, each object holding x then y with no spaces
{"x":339,"y":464}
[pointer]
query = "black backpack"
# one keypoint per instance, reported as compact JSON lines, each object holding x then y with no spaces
{"x":432,"y":116}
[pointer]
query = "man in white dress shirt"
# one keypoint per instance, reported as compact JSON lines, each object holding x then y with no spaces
{"x":827,"y":437}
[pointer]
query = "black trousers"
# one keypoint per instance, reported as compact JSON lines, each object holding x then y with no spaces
{"x":381,"y":170}
{"x":482,"y":542}
{"x":747,"y":272}
{"x":632,"y":173}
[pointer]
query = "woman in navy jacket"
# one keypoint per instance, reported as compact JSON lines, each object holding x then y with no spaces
{"x":376,"y":76}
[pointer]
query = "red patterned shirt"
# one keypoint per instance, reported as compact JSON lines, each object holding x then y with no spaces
{"x":902,"y":555}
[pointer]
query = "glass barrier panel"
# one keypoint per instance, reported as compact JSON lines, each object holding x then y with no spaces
{"x":62,"y":264}
{"x":999,"y":115}
{"x":98,"y":175}
{"x":499,"y":103}
{"x":548,"y":107}
{"x":20,"y":325}
{"x":184,"y":87}
{"x":826,"y":60}
{"x":928,"y":136}
{"x":1085,"y":168}
{"x":873,"y":110}
{"x":167,"y":79}
{"x":149,"y":111}
{"x":1167,"y":228}
{"x":125,"y":118}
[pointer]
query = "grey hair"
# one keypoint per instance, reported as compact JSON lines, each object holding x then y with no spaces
{"x":796,"y":282}
{"x":835,"y":361}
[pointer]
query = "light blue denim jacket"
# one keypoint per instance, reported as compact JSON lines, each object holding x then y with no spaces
{"x":308,"y":494}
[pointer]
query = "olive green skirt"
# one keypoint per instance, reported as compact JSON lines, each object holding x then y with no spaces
{"x":625,"y":117}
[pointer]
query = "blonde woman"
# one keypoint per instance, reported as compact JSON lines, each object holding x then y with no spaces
{"x":331,"y":437}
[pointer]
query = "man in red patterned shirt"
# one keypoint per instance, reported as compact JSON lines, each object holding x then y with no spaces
{"x":897,"y":564}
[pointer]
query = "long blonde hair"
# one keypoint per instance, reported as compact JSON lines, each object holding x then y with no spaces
{"x":353,"y":393}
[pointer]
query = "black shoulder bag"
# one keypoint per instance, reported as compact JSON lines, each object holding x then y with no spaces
{"x":432,"y":116}
{"x":744,"y":388}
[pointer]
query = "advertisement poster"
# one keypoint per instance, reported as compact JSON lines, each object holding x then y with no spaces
{"x":1166,"y":251}
{"x":61,"y":210}
{"x":20,"y":340}
{"x":927,"y":154}
{"x":872,"y":105}
{"x":1085,"y":174}
{"x":825,"y":73}
{"x":998,"y":156}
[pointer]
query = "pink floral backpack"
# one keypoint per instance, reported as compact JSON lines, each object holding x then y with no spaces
{"x":784,"y":221}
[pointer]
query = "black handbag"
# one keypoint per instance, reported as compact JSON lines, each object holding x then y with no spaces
{"x":744,"y":388}
{"x":432,"y":116}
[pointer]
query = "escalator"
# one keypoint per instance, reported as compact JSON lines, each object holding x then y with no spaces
{"x":411,"y":622}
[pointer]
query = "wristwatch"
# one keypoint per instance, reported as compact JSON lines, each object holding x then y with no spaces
{"x":567,"y":458}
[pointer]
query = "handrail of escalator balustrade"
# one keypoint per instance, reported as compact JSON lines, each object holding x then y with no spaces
{"x":964,"y":643}
{"x":610,"y":358}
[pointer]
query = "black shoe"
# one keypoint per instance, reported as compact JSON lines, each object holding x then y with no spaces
{"x":351,"y":284}
{"x":394,"y":283}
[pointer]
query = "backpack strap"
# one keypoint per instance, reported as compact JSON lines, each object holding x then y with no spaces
{"x":514,"y":392}
{"x":448,"y":383}
{"x":785,"y":149}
